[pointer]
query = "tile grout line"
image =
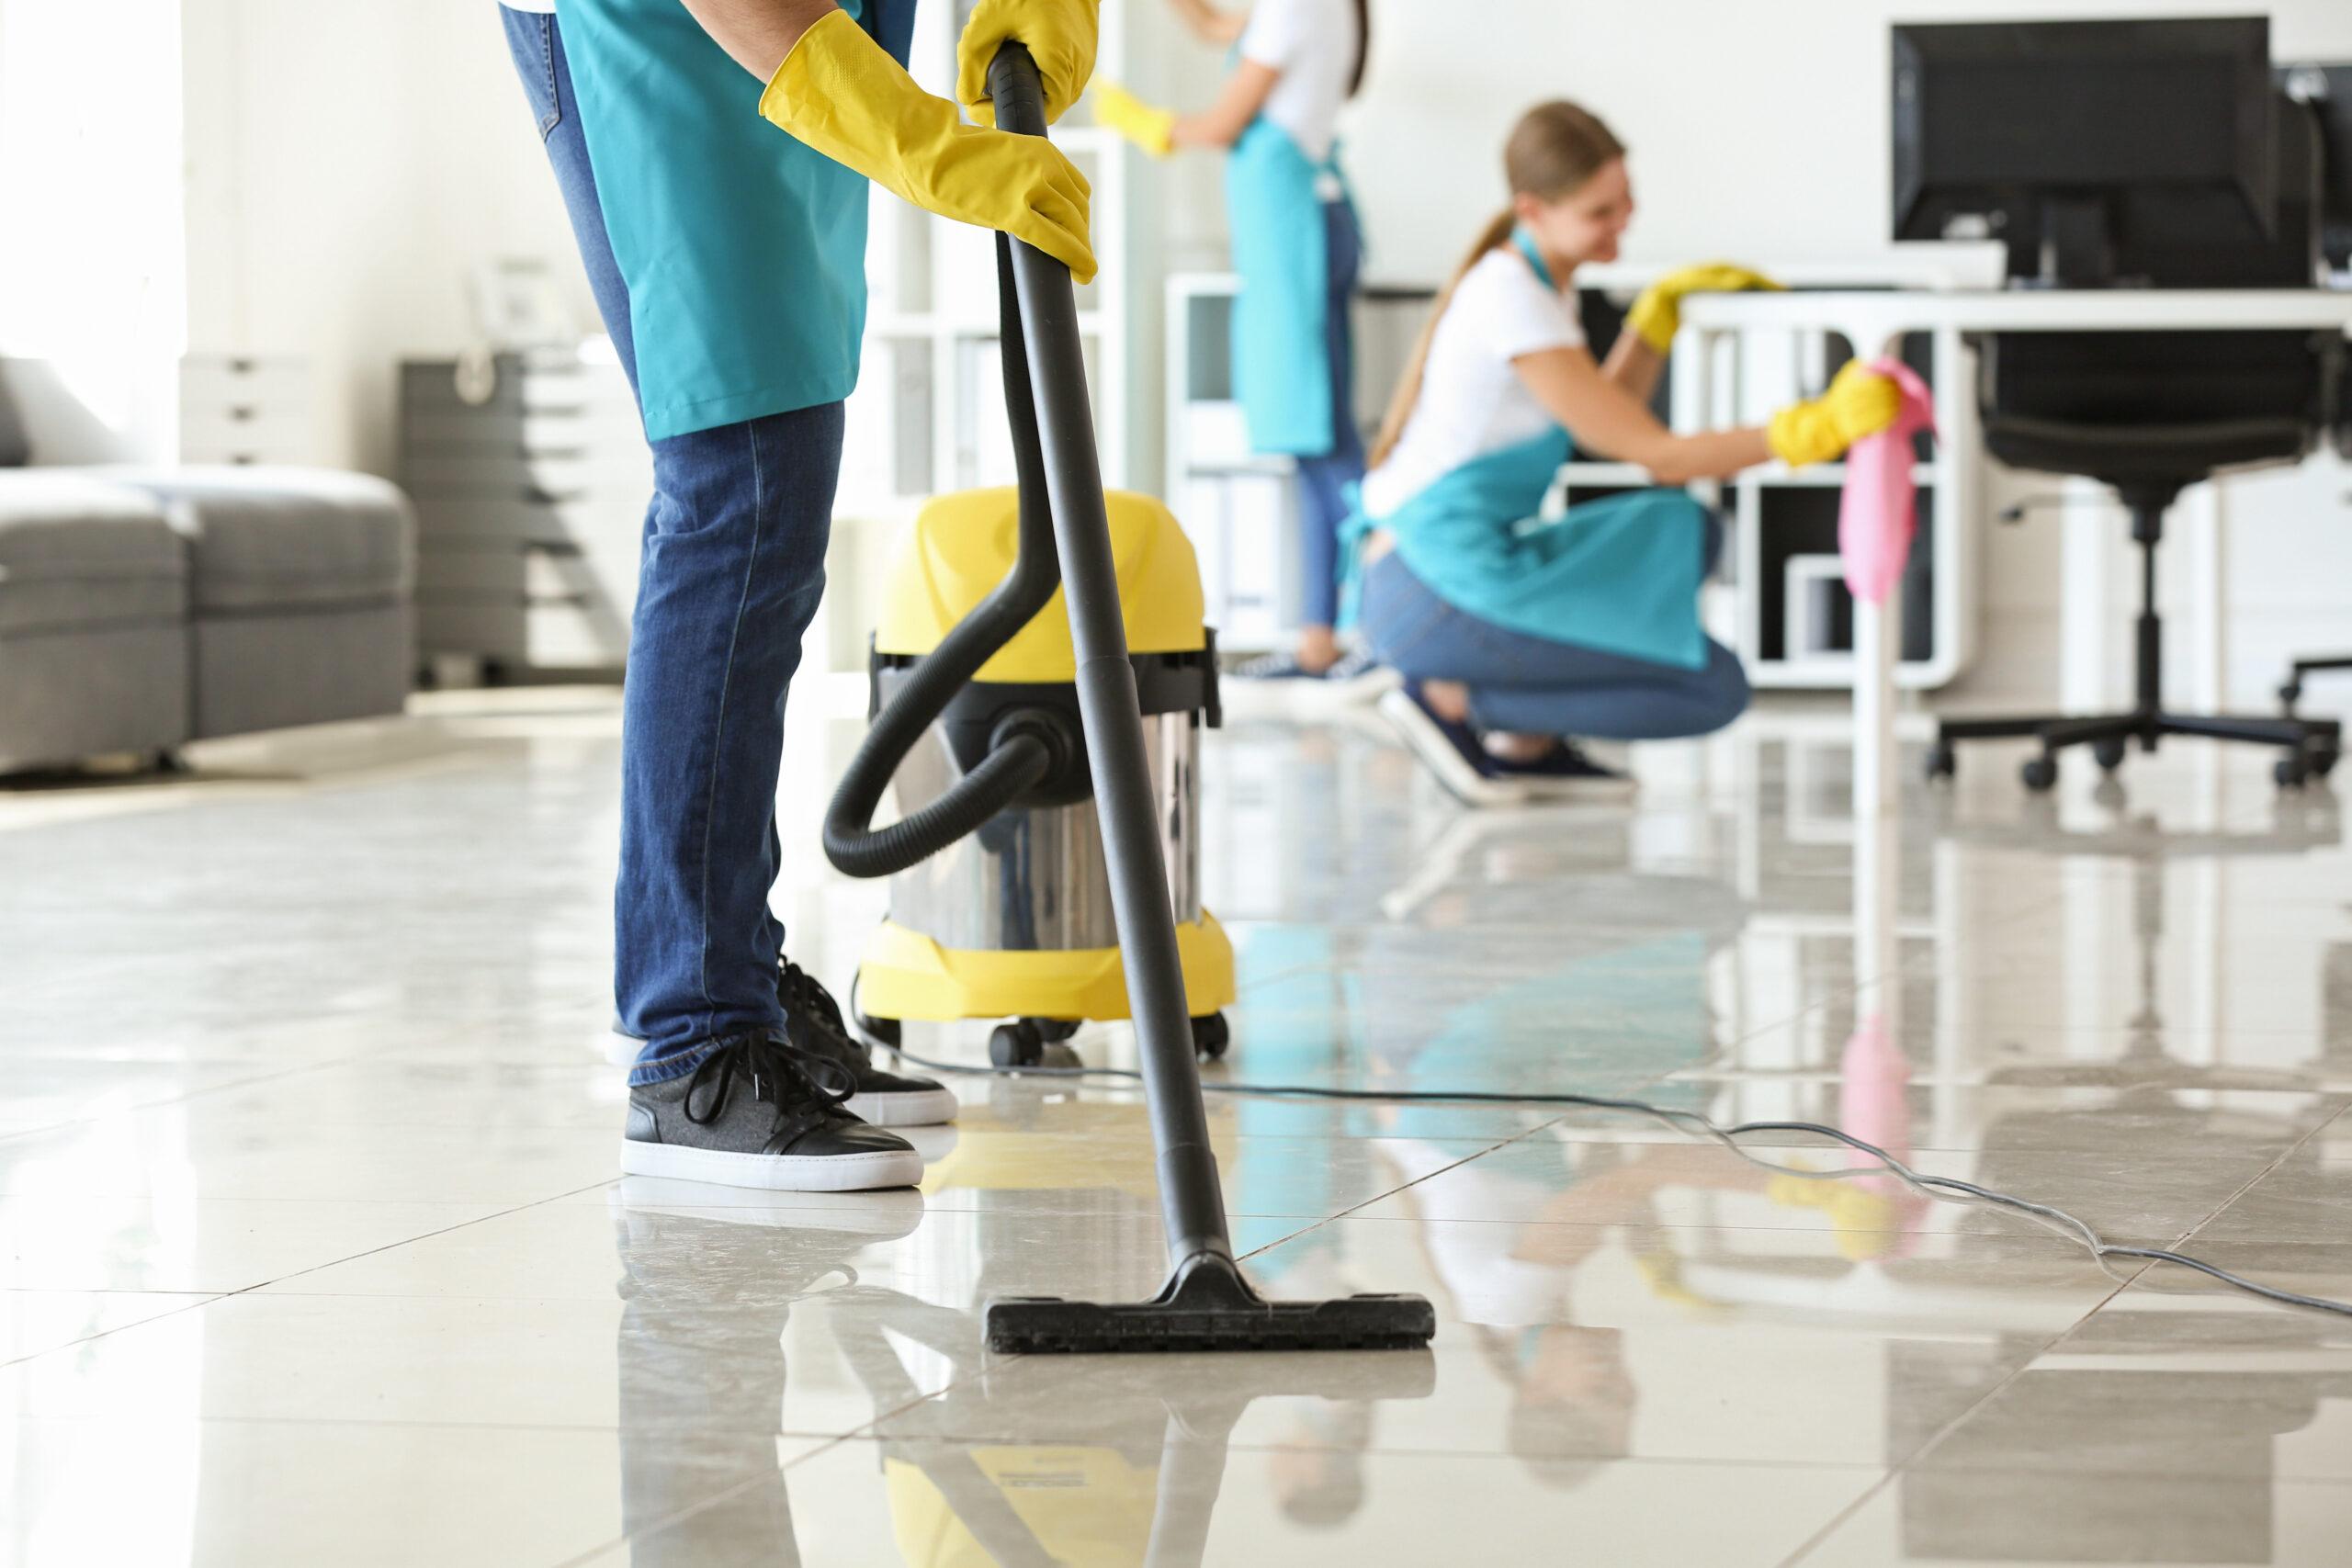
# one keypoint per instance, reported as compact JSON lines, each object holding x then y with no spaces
{"x":1910,"y":1461}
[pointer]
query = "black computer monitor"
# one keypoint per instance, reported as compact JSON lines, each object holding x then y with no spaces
{"x":2099,"y":154}
{"x":2323,"y":93}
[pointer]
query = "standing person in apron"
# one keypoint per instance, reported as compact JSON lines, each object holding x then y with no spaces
{"x":714,"y":157}
{"x":1515,"y":633}
{"x":1298,"y":249}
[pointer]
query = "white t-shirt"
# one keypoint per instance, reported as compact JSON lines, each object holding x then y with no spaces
{"x":1471,"y":402}
{"x":1313,"y":43}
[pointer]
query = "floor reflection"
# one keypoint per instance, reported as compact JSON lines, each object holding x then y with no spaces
{"x":704,"y":1375}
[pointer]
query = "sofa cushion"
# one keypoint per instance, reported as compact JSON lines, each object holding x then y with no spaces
{"x":77,"y":552}
{"x":268,"y":538}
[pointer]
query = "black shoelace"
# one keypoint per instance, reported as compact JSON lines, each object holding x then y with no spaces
{"x":805,"y":1088}
{"x":803,"y":996}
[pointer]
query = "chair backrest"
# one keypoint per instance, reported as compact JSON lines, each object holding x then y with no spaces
{"x":2153,"y":412}
{"x":2154,"y":378}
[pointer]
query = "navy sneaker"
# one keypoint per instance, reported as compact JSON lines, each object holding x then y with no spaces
{"x":1452,"y":751}
{"x":1565,"y":772}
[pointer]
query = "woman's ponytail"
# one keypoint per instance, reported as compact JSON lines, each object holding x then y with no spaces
{"x":1408,"y":387}
{"x":1554,"y":151}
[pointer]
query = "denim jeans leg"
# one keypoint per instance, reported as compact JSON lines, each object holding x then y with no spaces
{"x":1324,"y":479}
{"x":734,"y":567}
{"x":731,"y":569}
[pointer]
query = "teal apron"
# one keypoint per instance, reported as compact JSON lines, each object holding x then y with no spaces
{"x":744,"y":252}
{"x":1282,"y":356}
{"x":1619,"y":575}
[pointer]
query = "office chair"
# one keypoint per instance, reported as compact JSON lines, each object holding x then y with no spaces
{"x":2292,"y":691}
{"x":2150,"y":415}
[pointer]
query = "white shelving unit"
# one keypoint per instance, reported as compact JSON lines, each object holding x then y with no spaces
{"x":1777,"y":515}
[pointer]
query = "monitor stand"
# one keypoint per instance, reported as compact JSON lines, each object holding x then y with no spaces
{"x":2077,"y":249}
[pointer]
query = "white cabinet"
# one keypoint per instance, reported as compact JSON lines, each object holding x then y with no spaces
{"x":246,"y":409}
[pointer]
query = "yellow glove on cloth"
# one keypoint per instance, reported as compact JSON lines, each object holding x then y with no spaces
{"x":841,"y":93}
{"x":1658,"y":314}
{"x":1860,"y":1218}
{"x":1860,"y":402}
{"x":1060,"y":35}
{"x":1153,"y":129}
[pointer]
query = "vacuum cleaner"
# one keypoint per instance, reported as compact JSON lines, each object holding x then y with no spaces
{"x":1018,"y":751}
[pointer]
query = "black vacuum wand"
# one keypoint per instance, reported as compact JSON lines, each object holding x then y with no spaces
{"x":1206,"y":1304}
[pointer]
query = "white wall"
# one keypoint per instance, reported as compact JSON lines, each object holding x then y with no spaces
{"x":90,"y":275}
{"x":349,"y":164}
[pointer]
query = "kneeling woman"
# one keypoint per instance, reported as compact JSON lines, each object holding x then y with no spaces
{"x":1516,"y":635}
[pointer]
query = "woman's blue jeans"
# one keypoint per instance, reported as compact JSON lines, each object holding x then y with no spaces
{"x":1323,"y":481}
{"x":1531,"y":685}
{"x":733,"y":565}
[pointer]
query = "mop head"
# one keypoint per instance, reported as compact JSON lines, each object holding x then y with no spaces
{"x":1207,"y":1306}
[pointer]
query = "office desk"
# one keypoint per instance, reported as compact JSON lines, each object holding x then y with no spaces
{"x":1873,"y":320}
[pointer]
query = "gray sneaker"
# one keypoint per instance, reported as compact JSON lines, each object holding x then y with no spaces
{"x":813,"y":1022}
{"x":758,"y":1112}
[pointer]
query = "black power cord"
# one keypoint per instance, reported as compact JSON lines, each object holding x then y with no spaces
{"x":1945,"y":1188}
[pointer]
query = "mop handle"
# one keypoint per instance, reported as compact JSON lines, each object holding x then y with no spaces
{"x":1191,"y":1194}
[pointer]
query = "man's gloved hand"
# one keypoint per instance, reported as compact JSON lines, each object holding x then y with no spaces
{"x":1149,"y":127}
{"x":1060,"y":35}
{"x":1860,"y":401}
{"x":1658,"y":314}
{"x":841,"y":93}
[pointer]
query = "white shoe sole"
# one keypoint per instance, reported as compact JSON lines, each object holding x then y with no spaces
{"x":1598,"y":790}
{"x":1427,"y":741}
{"x":774,"y":1173}
{"x":925,"y":1107}
{"x":921,"y":1108}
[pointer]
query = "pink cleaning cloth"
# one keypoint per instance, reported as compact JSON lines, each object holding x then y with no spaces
{"x":1879,"y":512}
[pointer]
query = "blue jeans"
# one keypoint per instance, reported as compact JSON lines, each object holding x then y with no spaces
{"x":733,"y":567}
{"x":1323,"y":481}
{"x":1531,"y":685}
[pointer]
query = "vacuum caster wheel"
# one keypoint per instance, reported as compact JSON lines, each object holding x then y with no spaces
{"x":2108,"y":754}
{"x":2040,"y":773}
{"x":1211,"y":1036}
{"x":1942,"y":761}
{"x":2291,"y":772}
{"x":1053,"y":1031}
{"x":1016,"y":1044}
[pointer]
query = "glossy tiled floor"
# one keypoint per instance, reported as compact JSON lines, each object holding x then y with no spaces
{"x":313,"y":1253}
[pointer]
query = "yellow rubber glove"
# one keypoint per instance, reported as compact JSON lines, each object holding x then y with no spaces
{"x":841,"y":93}
{"x":1153,"y":129}
{"x":1060,"y":35}
{"x":1658,"y":314}
{"x":1860,"y":402}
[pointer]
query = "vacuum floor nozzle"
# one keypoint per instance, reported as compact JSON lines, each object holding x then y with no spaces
{"x":1207,"y":1306}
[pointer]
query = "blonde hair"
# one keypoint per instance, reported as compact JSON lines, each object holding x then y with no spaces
{"x":1554,"y":151}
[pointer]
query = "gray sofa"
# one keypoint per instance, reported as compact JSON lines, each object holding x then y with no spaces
{"x":142,"y":608}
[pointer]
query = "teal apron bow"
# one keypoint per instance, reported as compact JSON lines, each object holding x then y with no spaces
{"x":1619,"y":575}
{"x":744,"y":252}
{"x":1281,"y":365}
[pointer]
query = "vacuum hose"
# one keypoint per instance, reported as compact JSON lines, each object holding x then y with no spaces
{"x":1020,"y":755}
